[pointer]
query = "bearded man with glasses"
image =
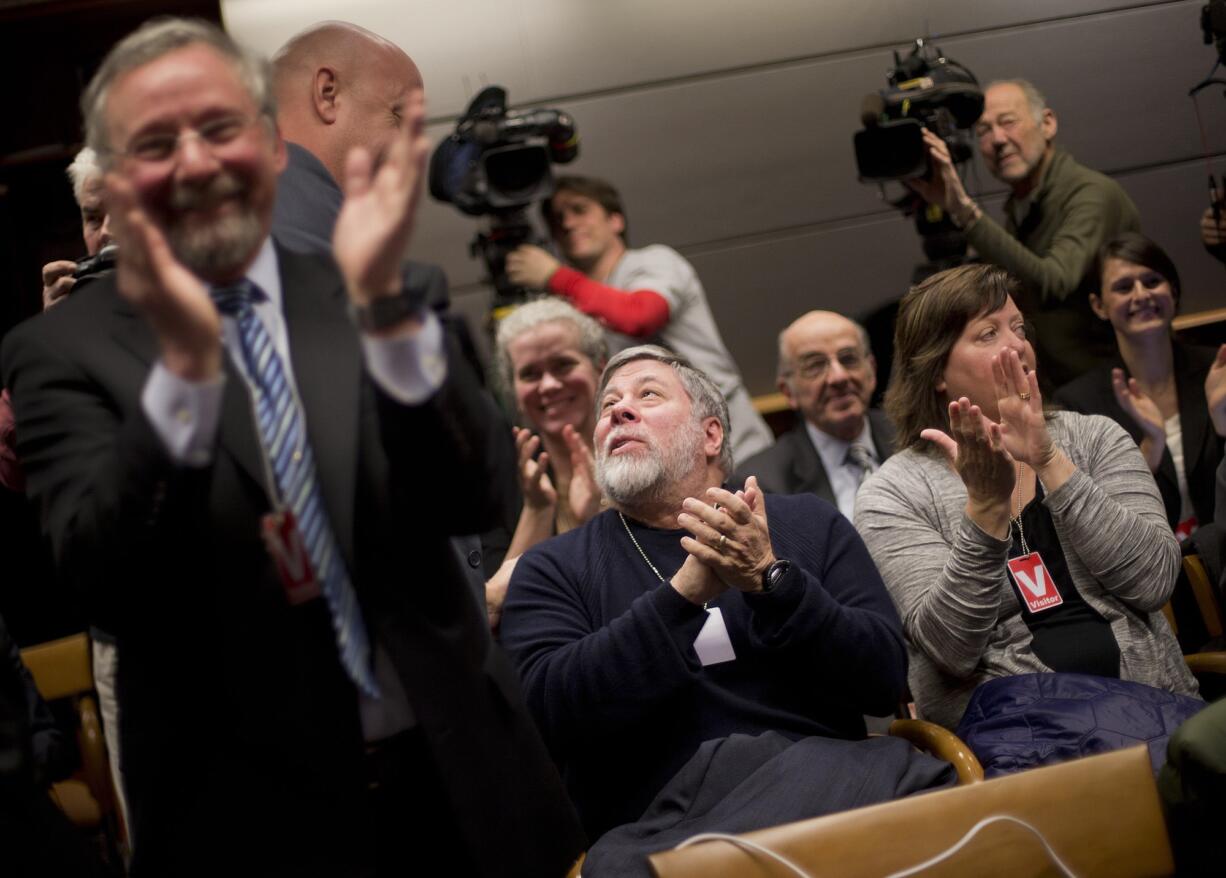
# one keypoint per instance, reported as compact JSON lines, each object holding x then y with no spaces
{"x":252,"y":460}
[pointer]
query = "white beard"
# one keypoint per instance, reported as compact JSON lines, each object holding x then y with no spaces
{"x":646,"y":476}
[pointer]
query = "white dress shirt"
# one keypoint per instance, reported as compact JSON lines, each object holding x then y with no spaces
{"x":844,"y":477}
{"x":186,"y":416}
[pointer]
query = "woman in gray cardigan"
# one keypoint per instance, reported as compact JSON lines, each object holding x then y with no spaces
{"x":1011,"y":540}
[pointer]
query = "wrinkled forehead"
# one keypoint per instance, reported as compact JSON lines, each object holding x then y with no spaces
{"x":827,"y":337}
{"x":637,"y":373}
{"x":1004,"y":97}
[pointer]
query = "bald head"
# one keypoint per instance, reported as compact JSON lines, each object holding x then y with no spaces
{"x":827,"y":372}
{"x":339,"y":86}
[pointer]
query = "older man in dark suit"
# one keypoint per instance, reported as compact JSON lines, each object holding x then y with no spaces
{"x":828,"y":375}
{"x":254,"y":489}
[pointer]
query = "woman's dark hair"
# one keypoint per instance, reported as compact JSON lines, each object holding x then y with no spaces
{"x":931,"y":317}
{"x":1139,"y":250}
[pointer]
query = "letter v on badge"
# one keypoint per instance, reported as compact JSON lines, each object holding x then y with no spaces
{"x":1034,"y":582}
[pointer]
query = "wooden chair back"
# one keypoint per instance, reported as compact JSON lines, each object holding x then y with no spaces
{"x":62,"y":669}
{"x":1101,"y":816}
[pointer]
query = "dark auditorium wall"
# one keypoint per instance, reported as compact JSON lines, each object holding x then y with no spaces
{"x":728,"y":124}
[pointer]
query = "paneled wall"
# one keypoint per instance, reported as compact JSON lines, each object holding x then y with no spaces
{"x":728,"y":125}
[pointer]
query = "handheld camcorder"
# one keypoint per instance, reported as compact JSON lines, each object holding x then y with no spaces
{"x":926,"y":90}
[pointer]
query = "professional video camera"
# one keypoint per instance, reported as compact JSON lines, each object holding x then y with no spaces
{"x":497,"y":163}
{"x":926,"y":90}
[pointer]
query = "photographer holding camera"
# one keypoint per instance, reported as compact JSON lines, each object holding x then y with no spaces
{"x":60,"y":275}
{"x":649,"y":293}
{"x":1057,"y":215}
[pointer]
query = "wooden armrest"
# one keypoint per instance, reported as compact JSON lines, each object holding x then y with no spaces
{"x":76,"y":800}
{"x":941,"y":743}
{"x":60,"y":668}
{"x":1206,"y":662}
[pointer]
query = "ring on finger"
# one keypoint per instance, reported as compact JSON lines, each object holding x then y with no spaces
{"x":723,"y":541}
{"x":1024,"y":395}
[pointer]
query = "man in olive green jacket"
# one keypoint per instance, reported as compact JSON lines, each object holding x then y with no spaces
{"x":1057,"y":216}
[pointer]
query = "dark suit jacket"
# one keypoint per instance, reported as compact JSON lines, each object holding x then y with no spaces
{"x":1091,"y":394}
{"x":240,"y":730}
{"x":793,"y":466}
{"x":304,"y":217}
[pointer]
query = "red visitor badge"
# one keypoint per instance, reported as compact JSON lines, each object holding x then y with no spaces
{"x":284,"y":543}
{"x":1034,"y":582}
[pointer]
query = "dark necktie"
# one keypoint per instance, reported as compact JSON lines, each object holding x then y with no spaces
{"x":292,"y":463}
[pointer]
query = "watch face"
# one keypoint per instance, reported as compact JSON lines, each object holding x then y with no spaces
{"x":775,"y":572}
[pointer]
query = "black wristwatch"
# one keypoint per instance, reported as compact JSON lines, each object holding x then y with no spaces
{"x":774,"y":574}
{"x":385,"y":311}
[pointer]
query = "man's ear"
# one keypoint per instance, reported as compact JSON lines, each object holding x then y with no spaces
{"x":713,"y":437}
{"x":619,"y":223}
{"x":1096,"y":305}
{"x":324,"y":88}
{"x":1049,"y":125}
{"x":785,"y":387}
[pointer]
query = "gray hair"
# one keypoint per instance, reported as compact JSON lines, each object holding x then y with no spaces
{"x":150,"y":42}
{"x":592,"y":342}
{"x":83,"y":169}
{"x":1034,"y":98}
{"x":705,"y":397}
{"x":784,"y":367}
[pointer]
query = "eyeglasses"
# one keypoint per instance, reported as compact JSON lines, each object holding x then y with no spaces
{"x":160,"y":147}
{"x":818,"y":366}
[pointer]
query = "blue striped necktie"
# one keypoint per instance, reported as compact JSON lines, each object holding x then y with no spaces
{"x":288,"y":452}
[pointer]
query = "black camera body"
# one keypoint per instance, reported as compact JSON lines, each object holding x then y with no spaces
{"x":101,"y":261}
{"x":927,"y":90}
{"x":1213,"y":26}
{"x":498,"y":161}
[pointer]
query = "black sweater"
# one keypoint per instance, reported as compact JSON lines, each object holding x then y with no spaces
{"x":605,"y":651}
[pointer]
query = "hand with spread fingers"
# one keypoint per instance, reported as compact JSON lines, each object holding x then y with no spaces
{"x":1215,"y":391}
{"x":583,"y":494}
{"x":376,"y":219}
{"x":1144,"y":413}
{"x":1023,"y":425}
{"x":539,"y":492}
{"x":730,"y":534}
{"x":1020,"y":407}
{"x":976,"y":450}
{"x":174,"y":301}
